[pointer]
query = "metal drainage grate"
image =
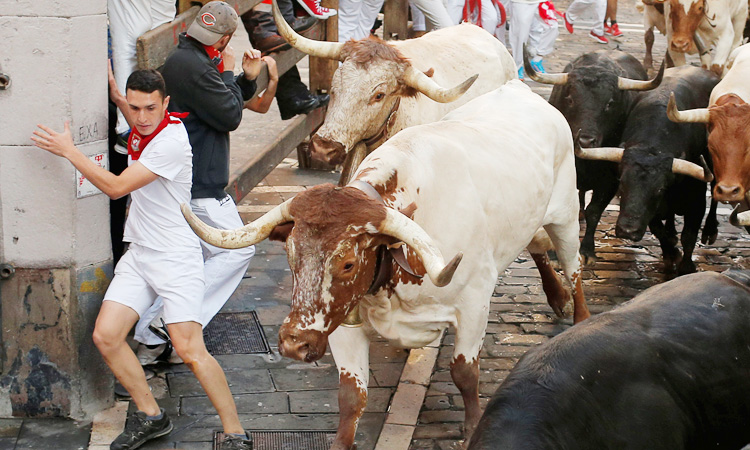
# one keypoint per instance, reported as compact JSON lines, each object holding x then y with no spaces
{"x":235,"y":333}
{"x":287,"y":440}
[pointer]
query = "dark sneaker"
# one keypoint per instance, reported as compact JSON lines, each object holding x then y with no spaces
{"x":140,"y":430}
{"x":234,"y":442}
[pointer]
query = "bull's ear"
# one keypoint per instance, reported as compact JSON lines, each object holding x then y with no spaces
{"x":281,"y":232}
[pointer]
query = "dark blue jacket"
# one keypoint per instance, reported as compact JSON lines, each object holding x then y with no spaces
{"x":215,"y":102}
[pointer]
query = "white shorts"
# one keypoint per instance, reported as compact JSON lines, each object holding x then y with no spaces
{"x":142,"y":274}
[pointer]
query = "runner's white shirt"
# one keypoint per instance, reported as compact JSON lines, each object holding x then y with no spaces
{"x":154,"y":218}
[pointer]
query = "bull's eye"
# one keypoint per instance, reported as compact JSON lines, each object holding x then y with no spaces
{"x":609,"y":105}
{"x":348,"y":266}
{"x":379,"y":96}
{"x":569,"y":100}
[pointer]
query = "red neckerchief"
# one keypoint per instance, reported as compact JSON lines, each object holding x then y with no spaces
{"x":138,"y":143}
{"x":215,"y":56}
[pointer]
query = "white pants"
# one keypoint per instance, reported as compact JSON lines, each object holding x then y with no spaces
{"x":526,"y":26}
{"x":223,"y":269}
{"x":128,"y":20}
{"x":490,"y":16}
{"x":598,"y":8}
{"x":356,"y":18}
{"x":434,"y":14}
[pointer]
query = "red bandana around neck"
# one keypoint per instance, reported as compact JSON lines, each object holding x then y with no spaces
{"x":138,"y":143}
{"x":215,"y":56}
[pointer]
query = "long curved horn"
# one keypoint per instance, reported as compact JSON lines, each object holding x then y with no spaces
{"x":250,"y":234}
{"x":405,"y":229}
{"x":683,"y":167}
{"x":321,"y":49}
{"x":545,"y":78}
{"x":613,"y":154}
{"x":628,"y":84}
{"x":424,"y":84}
{"x":699,"y":115}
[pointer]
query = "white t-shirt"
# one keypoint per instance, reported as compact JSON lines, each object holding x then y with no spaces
{"x":154,"y":219}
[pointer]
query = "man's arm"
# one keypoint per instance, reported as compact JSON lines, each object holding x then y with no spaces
{"x":261,"y":103}
{"x":118,"y":99}
{"x":115,"y":186}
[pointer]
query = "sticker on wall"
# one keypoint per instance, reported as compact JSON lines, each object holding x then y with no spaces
{"x":84,"y":188}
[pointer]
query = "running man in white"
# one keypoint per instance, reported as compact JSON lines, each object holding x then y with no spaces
{"x":164,"y":258}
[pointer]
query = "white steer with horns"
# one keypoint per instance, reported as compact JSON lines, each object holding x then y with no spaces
{"x":479,"y":183}
{"x":383,"y":87}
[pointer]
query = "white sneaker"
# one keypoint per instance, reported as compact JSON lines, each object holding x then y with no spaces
{"x":149,"y":354}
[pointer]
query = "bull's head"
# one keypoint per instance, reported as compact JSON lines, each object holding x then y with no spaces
{"x":373,"y":76}
{"x":332,"y":238}
{"x":683,"y":20}
{"x":644,"y":176}
{"x":592,"y":97}
{"x":728,"y":123}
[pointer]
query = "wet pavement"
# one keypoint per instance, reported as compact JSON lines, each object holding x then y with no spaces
{"x":274,"y":393}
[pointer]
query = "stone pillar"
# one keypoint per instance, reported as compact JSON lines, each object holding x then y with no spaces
{"x":53,"y":233}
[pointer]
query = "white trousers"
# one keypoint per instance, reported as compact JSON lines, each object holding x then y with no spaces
{"x":490,"y":15}
{"x":433,"y":14}
{"x":356,"y":18}
{"x":223,"y":269}
{"x":128,"y":20}
{"x":526,"y":26}
{"x":598,"y":8}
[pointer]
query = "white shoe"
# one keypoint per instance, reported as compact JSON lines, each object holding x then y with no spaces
{"x":149,"y":354}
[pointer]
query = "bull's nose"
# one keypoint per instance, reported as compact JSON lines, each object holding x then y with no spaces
{"x":728,"y":192}
{"x":326,"y":150}
{"x":629,"y":232}
{"x":586,"y":140}
{"x":295,"y":350}
{"x":680,"y":44}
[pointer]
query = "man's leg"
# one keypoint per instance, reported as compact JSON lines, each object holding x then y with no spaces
{"x":187,"y":338}
{"x":112,"y":326}
{"x":520,"y":27}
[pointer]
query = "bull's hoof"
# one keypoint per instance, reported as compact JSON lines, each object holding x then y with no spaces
{"x":671,"y":262}
{"x":589,"y":259}
{"x":685,"y":267}
{"x":568,"y":309}
{"x":558,"y":303}
{"x":708,"y":237}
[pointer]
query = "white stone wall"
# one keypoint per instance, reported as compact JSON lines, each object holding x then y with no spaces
{"x":55,"y":52}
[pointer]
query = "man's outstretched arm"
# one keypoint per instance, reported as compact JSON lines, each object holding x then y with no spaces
{"x":115,"y":186}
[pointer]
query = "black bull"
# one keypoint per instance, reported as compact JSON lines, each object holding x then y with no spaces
{"x":651,"y":194}
{"x":592,"y":102}
{"x":668,"y":370}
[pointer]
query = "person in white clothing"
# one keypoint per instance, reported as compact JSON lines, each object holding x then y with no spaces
{"x":599,"y":10}
{"x":529,"y":26}
{"x":128,"y":20}
{"x":356,"y":18}
{"x":164,"y":258}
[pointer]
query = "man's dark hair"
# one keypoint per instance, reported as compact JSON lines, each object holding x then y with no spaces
{"x":148,"y":81}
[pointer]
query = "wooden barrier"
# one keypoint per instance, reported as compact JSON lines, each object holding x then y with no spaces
{"x":395,"y":19}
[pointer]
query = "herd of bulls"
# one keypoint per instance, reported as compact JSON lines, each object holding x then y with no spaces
{"x":480,"y":171}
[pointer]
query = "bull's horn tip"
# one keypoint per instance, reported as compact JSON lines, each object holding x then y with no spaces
{"x":446,"y":275}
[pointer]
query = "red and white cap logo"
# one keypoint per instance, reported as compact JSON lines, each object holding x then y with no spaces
{"x":208,"y":19}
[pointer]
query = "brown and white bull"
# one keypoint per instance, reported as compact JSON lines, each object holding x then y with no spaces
{"x":381,"y":87}
{"x":718,"y":24}
{"x":728,"y":122}
{"x":479,"y":183}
